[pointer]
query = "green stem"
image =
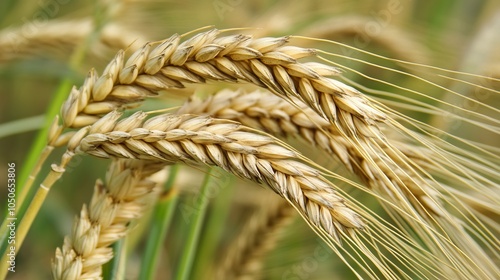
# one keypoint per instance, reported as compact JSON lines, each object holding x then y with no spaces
{"x":60,"y":96}
{"x":37,"y":155}
{"x":27,"y":220}
{"x":214,"y":229}
{"x":115,"y":270}
{"x":163,"y":214}
{"x":196,"y":222}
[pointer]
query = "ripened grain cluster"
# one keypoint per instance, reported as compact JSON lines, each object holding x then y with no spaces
{"x":116,"y":202}
{"x":198,"y":140}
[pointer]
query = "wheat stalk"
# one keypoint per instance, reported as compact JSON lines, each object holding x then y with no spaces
{"x":203,"y":140}
{"x":114,"y":204}
{"x":244,"y":255}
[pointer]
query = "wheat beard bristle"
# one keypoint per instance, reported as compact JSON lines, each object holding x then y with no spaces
{"x":114,"y":204}
{"x":203,"y":140}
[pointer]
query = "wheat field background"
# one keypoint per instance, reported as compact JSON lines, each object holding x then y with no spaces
{"x":46,"y":46}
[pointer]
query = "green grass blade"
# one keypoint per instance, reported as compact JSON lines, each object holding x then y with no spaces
{"x":162,"y":218}
{"x":115,"y":269}
{"x":214,"y":229}
{"x":20,"y":126}
{"x":195,"y":225}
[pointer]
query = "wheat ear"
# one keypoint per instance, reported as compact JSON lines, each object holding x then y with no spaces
{"x":61,"y":37}
{"x":16,"y":42}
{"x":244,"y":255}
{"x":229,"y":145}
{"x":114,"y":204}
{"x":266,"y":112}
{"x":265,"y":62}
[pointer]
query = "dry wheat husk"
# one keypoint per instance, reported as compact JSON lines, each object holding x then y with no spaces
{"x":121,"y":199}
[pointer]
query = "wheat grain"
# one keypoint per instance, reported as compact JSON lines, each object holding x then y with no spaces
{"x":114,"y":204}
{"x":259,"y":158}
{"x":244,"y":255}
